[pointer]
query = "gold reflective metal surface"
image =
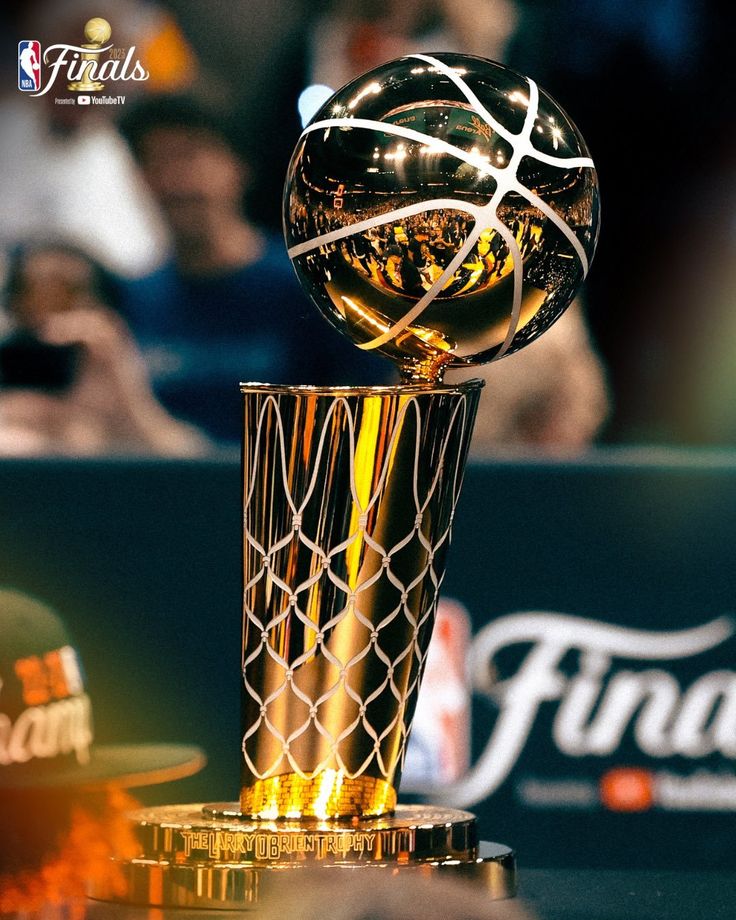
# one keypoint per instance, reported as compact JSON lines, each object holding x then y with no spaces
{"x":204,"y":856}
{"x":348,"y":500}
{"x":329,"y":792}
{"x":442,"y":210}
{"x":97,"y":31}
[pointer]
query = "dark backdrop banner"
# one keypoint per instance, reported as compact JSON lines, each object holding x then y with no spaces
{"x":598,"y":702}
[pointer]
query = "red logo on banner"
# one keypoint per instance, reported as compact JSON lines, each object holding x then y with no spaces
{"x":627,"y":789}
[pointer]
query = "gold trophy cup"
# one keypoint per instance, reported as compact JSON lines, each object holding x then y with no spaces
{"x":441,"y":210}
{"x":97,"y":31}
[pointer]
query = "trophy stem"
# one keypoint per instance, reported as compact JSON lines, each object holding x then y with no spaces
{"x":348,"y":501}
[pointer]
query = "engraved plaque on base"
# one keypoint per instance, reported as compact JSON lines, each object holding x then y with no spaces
{"x":207,"y":856}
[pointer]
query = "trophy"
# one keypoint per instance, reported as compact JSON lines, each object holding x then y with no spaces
{"x":97,"y":31}
{"x":440,"y":210}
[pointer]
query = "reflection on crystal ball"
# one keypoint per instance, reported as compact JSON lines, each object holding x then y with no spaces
{"x":442,"y":210}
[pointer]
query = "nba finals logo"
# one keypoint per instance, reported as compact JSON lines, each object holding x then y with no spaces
{"x":29,"y":66}
{"x":83,"y":66}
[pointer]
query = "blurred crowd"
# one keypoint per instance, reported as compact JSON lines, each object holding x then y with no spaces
{"x":144,"y":275}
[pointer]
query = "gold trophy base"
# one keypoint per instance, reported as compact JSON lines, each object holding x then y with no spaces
{"x":209,"y":856}
{"x":85,"y":86}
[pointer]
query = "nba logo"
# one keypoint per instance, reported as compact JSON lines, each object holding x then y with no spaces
{"x":29,"y":66}
{"x":439,"y":746}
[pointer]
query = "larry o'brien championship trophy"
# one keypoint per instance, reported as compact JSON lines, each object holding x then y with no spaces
{"x":441,"y":210}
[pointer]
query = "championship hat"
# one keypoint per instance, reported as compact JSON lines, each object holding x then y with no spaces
{"x":46,"y":730}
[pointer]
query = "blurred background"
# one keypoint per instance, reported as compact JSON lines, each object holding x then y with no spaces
{"x":651,"y":359}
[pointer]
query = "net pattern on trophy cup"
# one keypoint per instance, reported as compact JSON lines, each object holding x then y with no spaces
{"x":486,"y":217}
{"x":361,"y":703}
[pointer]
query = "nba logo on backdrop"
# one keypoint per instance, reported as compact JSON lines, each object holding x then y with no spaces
{"x":29,"y":66}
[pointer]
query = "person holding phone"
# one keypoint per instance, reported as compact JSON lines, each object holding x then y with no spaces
{"x":72,"y":380}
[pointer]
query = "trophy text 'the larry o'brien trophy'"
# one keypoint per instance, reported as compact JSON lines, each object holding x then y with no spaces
{"x":441,"y":210}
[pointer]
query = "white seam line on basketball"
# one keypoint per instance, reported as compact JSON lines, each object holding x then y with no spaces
{"x":518,"y":282}
{"x":490,"y":120}
{"x":561,"y":162}
{"x":385,"y":127}
{"x":468,"y":93}
{"x":510,"y":239}
{"x":549,"y":212}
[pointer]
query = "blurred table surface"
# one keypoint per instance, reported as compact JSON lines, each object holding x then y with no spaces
{"x":558,"y":894}
{"x":607,"y":894}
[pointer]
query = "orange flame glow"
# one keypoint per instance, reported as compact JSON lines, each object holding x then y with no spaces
{"x":93,"y":837}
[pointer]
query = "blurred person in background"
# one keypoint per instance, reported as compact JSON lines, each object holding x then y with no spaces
{"x":227,"y":307}
{"x":72,"y":380}
{"x":353,"y":36}
{"x":550,"y":397}
{"x":646,"y":86}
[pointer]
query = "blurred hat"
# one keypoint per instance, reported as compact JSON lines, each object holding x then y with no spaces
{"x":46,"y":734}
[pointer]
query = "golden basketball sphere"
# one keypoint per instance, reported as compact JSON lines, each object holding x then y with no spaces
{"x":97,"y":30}
{"x":441,"y":209}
